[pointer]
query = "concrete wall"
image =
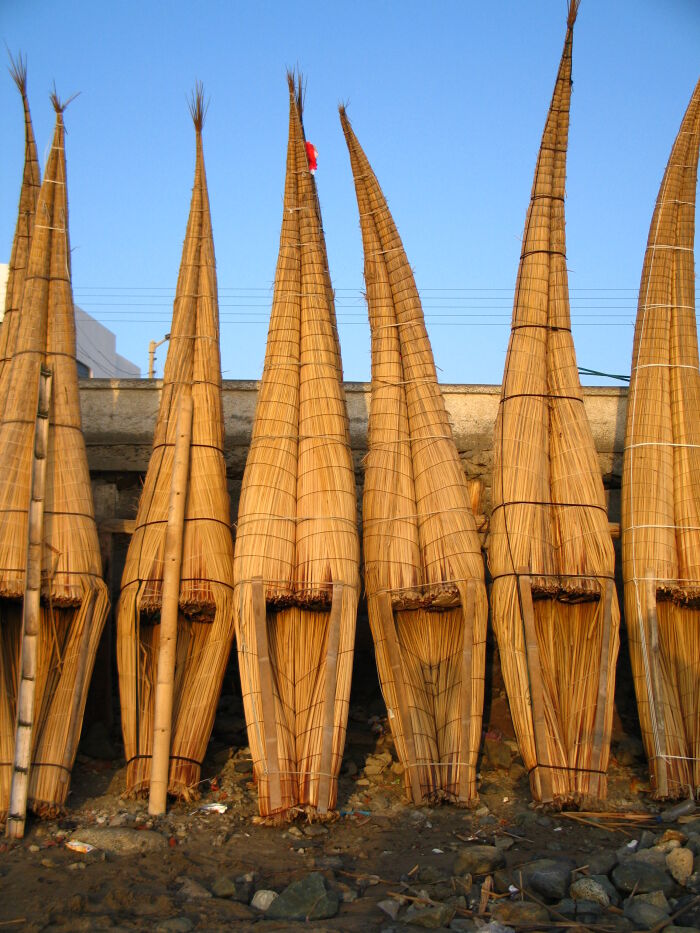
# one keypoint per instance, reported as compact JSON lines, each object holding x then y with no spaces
{"x":119,"y":418}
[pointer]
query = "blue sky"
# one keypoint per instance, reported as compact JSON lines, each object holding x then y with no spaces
{"x":447,"y":98}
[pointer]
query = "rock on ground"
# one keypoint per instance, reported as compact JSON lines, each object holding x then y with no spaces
{"x":478,"y":860}
{"x":120,"y":840}
{"x":305,"y":899}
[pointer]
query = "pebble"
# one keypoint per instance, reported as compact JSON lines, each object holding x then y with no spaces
{"x":548,"y":877}
{"x":680,"y":864}
{"x":590,"y":890}
{"x":305,"y":899}
{"x":120,"y":840}
{"x":643,"y":914}
{"x":34,"y":848}
{"x":465,"y":925}
{"x":639,"y":876}
{"x":315,"y":829}
{"x":223,"y":887}
{"x":602,"y":863}
{"x":646,"y":840}
{"x":263,"y":898}
{"x":430,"y":918}
{"x":391,"y":907}
{"x":497,"y":753}
{"x":191,"y":888}
{"x":347,"y":893}
{"x":657,"y":898}
{"x":478,"y":860}
{"x":519,"y":912}
{"x":175,"y":925}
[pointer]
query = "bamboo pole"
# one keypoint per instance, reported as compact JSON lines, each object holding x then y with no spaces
{"x":466,"y":705}
{"x":172,"y":567}
{"x":31,"y":614}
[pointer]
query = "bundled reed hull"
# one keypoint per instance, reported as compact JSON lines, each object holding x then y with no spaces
{"x":29,"y":194}
{"x":297,"y":549}
{"x":554,"y":608}
{"x":74,"y":597}
{"x":661,"y":483}
{"x":205,"y":620}
{"x":424,"y":571}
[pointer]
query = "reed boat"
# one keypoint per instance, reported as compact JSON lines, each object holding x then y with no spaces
{"x":554,"y":606}
{"x":424,"y":571}
{"x":177,"y":586}
{"x":297,"y":546}
{"x":53,"y":601}
{"x":661,"y":482}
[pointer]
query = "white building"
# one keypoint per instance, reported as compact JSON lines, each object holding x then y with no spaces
{"x":96,"y":345}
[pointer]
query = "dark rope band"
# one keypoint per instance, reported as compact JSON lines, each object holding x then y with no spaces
{"x":545,"y":395}
{"x":572,"y":505}
{"x":567,"y":768}
{"x":191,"y":761}
{"x":552,"y":327}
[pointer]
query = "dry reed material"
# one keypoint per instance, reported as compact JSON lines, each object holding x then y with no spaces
{"x":205,"y":623}
{"x":29,"y":194}
{"x":550,"y":553}
{"x":661,"y":482}
{"x":74,"y":597}
{"x":421,"y":550}
{"x":297,"y":524}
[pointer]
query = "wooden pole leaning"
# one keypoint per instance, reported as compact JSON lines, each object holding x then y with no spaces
{"x":656,"y":698}
{"x":167,"y":647}
{"x":386,"y":614}
{"x":31,"y":614}
{"x":534,"y":668}
{"x":330,"y":690}
{"x":468,"y":608}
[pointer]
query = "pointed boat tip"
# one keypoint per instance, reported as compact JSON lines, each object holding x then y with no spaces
{"x":18,"y":70}
{"x":297,"y":88}
{"x":572,"y":12}
{"x":60,"y":105}
{"x":343,"y":112}
{"x":198,"y":107}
